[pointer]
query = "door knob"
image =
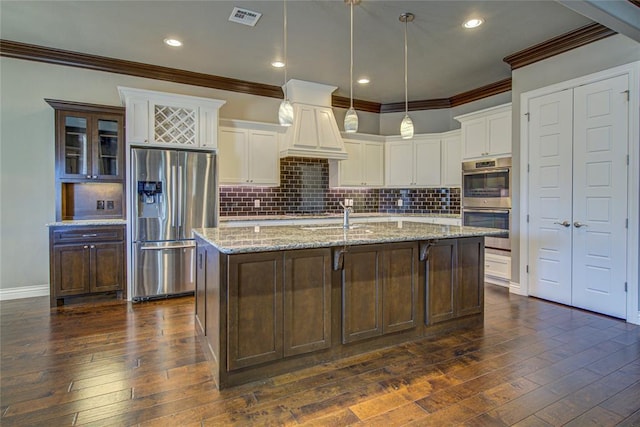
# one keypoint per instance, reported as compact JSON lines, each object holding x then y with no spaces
{"x":578,"y":224}
{"x":564,"y":223}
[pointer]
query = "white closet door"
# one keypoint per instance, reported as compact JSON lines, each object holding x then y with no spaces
{"x":550,"y":187}
{"x":600,"y":196}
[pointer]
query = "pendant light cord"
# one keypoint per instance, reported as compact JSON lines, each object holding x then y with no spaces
{"x":286,"y":60}
{"x":406,"y":95}
{"x":351,"y":65}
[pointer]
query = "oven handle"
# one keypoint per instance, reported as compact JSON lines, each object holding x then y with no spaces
{"x":485,"y":171}
{"x":486,"y":210}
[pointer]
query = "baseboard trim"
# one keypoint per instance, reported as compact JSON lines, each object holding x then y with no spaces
{"x":24,"y":292}
{"x":497,"y":281}
{"x":515,"y":288}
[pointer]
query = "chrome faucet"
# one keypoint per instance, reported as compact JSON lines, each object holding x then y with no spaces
{"x":347,"y":211}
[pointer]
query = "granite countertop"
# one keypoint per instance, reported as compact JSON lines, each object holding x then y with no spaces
{"x":87,"y":222}
{"x":332,"y":215}
{"x":236,"y":240}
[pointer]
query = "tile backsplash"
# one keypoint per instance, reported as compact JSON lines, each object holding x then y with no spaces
{"x":304,"y":189}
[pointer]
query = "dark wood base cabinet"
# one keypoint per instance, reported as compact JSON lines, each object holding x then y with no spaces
{"x":262,"y":314}
{"x":86,"y":260}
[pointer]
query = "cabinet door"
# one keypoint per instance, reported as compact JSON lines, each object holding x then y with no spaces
{"x":201,"y":277}
{"x":399,"y":290}
{"x":254,"y":330}
{"x":474,"y":138}
{"x":263,"y":158}
{"x":107,"y":147}
{"x":232,"y":162}
{"x":427,"y":162}
{"x":208,"y":128}
{"x":138,"y":121}
{"x":373,"y":164}
{"x":361,"y":295}
{"x":499,"y":134}
{"x":351,"y":169}
{"x":470,"y":272}
{"x":399,"y":164}
{"x":74,"y":145}
{"x":451,"y":161}
{"x":71,"y":269}
{"x":441,"y":281}
{"x":307,"y":301}
{"x":107,"y":266}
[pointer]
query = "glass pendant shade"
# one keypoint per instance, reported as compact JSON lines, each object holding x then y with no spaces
{"x":285,"y":113}
{"x":351,"y":121}
{"x":406,"y":127}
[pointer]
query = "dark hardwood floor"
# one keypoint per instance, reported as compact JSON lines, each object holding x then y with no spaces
{"x":533,"y":363}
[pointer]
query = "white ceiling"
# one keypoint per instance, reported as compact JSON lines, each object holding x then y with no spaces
{"x":444,"y":58}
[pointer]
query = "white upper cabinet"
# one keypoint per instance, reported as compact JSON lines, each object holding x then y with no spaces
{"x":413,"y":163}
{"x":365,"y":165}
{"x":486,"y":133}
{"x":248,"y":154}
{"x":451,"y":159}
{"x":170,"y":120}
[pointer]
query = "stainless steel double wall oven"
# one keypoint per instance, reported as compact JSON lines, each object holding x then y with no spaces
{"x":486,"y":197}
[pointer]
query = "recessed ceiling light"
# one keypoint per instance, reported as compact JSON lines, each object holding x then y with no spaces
{"x":173,"y":42}
{"x":473,"y":23}
{"x":363,"y":80}
{"x":277,"y":64}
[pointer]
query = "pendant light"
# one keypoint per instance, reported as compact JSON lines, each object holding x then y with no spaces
{"x":406,"y":127}
{"x":285,"y":112}
{"x":351,"y":118}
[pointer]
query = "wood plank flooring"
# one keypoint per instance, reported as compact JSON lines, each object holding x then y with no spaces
{"x":533,"y":363}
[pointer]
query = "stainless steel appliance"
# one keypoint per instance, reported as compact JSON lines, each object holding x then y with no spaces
{"x":173,"y":192}
{"x":486,"y":197}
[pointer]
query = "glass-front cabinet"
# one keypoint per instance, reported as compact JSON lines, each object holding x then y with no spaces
{"x":90,"y":146}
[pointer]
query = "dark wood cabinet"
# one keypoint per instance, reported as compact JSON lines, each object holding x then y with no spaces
{"x":307,"y":296}
{"x":379,"y":285}
{"x":254,"y":332}
{"x":454,"y":279}
{"x":268,"y":295}
{"x":200,"y":293}
{"x":89,"y":161}
{"x":85,"y":260}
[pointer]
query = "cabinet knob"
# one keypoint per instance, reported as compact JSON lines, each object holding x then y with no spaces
{"x":86,"y":246}
{"x":95,"y":176}
{"x":88,"y":176}
{"x":93,"y":246}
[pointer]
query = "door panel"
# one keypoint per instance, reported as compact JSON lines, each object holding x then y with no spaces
{"x":550,"y":187}
{"x":154,"y":218}
{"x":164,"y":268}
{"x":71,"y":269}
{"x":107,"y":266}
{"x":400,"y":288}
{"x":361,"y":295}
{"x":441,"y":281}
{"x":196,"y":196}
{"x":600,"y":196}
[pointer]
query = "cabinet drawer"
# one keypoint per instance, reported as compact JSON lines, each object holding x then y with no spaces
{"x":497,"y":266}
{"x":88,"y":234}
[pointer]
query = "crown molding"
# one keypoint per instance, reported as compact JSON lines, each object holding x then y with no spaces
{"x":549,"y":48}
{"x":12,"y":49}
{"x":557,"y":45}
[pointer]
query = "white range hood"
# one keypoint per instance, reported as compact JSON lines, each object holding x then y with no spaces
{"x":314,"y":132}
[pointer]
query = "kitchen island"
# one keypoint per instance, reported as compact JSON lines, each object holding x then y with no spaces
{"x":272,"y":299}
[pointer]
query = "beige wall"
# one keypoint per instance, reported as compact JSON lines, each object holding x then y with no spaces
{"x":589,"y":59}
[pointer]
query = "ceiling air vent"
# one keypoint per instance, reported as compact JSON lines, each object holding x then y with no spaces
{"x":244,"y":16}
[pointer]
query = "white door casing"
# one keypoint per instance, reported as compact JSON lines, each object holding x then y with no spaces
{"x":550,"y":187}
{"x":600,"y":151}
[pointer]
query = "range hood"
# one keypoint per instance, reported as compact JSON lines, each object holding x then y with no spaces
{"x":314,"y":132}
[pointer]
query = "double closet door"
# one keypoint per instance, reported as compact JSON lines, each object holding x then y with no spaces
{"x":578,"y":178}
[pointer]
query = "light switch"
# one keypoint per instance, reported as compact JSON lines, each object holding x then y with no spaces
{"x":399,"y":202}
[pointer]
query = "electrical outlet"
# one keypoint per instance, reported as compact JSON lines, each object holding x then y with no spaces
{"x":110,"y":204}
{"x":399,"y":202}
{"x":100,"y":204}
{"x":256,"y":203}
{"x":351,"y":202}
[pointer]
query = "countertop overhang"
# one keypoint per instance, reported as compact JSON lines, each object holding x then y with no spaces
{"x":236,"y":240}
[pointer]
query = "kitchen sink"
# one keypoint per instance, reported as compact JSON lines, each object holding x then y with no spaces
{"x":330,"y":227}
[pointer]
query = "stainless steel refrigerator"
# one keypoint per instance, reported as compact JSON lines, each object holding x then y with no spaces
{"x":173,"y":192}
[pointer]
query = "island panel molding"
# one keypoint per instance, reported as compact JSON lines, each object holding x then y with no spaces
{"x":557,"y":45}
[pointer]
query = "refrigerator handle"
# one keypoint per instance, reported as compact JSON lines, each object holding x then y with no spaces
{"x":173,"y":191}
{"x":179,"y":205}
